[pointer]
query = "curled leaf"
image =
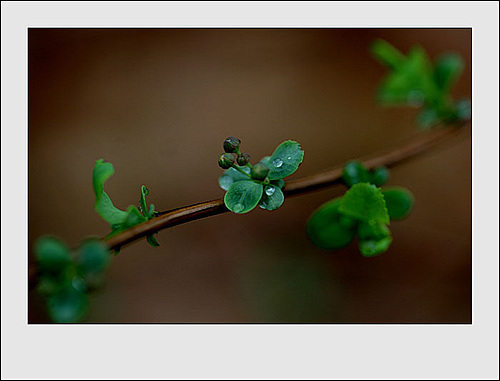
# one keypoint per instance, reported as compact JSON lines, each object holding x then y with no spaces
{"x":103,"y":204}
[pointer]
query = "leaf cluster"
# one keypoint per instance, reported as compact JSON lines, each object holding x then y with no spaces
{"x":118,"y":219}
{"x":261,"y":184}
{"x":364,"y":211}
{"x":66,"y":276}
{"x":416,"y":81}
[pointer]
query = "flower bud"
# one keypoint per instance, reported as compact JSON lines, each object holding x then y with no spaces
{"x":231,"y":145}
{"x":259,"y":171}
{"x":226,"y":160}
{"x":243,"y":159}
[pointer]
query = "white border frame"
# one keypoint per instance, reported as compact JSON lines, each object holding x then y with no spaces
{"x":250,"y":351}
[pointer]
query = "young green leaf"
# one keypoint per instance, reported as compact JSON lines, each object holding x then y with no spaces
{"x":266,"y":160}
{"x":387,"y":54}
{"x":272,"y":197}
{"x":52,"y":254}
{"x":379,"y":176}
{"x":151,"y":211}
{"x":364,"y":202}
{"x":329,"y":229}
{"x":371,"y":247}
{"x":134,"y":217}
{"x":103,"y":204}
{"x":142,"y":201}
{"x":411,"y":82}
{"x":94,"y":256}
{"x":373,"y":238}
{"x":355,"y":172}
{"x":68,"y":306}
{"x":447,"y":70}
{"x":152,"y":241}
{"x":231,"y":176}
{"x":285,"y":160}
{"x":279,"y":183}
{"x":243,"y":196}
{"x":399,"y":202}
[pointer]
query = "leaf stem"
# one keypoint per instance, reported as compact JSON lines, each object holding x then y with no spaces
{"x":241,"y":170}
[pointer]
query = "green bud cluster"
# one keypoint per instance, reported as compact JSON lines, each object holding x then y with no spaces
{"x":261,"y":184}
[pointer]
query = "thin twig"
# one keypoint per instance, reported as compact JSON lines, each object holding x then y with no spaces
{"x":324,"y":179}
{"x":292,"y":188}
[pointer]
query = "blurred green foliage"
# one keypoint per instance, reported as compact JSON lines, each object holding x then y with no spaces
{"x":65,"y":277}
{"x":415,"y":81}
{"x":363,"y":211}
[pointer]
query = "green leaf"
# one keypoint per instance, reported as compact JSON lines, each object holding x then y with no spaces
{"x":67,"y":306}
{"x":142,"y":201}
{"x":52,"y":254}
{"x":387,"y":54}
{"x":370,"y":247}
{"x":364,"y":202}
{"x":272,"y":197}
{"x":355,"y":172}
{"x":243,"y":196}
{"x":151,"y":212}
{"x":379,"y":176}
{"x":266,"y":160}
{"x":152,"y":241}
{"x":134,"y":217}
{"x":285,"y":160}
{"x":399,"y":202}
{"x":374,"y":238}
{"x":94,"y":256}
{"x":447,"y":70}
{"x":329,"y":229}
{"x":231,"y":176}
{"x":412,"y":83}
{"x":103,"y":204}
{"x":279,"y":183}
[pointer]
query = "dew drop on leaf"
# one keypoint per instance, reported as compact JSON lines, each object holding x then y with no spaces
{"x":238,"y":208}
{"x":270,"y":191}
{"x":277,"y":162}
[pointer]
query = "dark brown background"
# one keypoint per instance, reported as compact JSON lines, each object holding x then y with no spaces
{"x":158,"y":103}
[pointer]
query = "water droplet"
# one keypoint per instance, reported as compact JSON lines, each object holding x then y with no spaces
{"x":277,"y":162}
{"x":270,"y":191}
{"x":238,"y":208}
{"x":289,"y":158}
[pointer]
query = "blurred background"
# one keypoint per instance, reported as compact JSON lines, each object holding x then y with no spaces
{"x":158,"y":103}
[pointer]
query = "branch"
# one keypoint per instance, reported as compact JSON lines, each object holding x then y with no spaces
{"x":292,"y":188}
{"x":324,"y":179}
